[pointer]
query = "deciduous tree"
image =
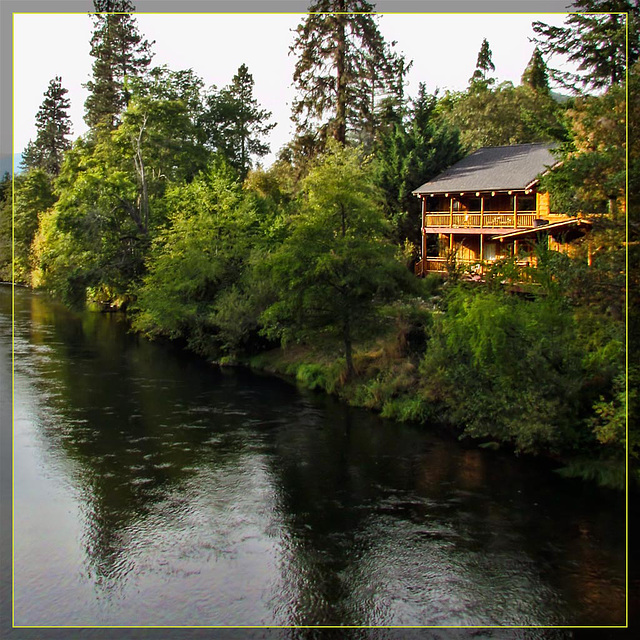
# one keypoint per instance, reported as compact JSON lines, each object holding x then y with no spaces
{"x":337,"y":265}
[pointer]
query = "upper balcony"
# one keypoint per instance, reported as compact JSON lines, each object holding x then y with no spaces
{"x":507,"y":219}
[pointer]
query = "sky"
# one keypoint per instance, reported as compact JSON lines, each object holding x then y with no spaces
{"x":443,"y":47}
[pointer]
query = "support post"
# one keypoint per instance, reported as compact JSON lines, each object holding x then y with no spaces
{"x":482,"y":212}
{"x":451,"y":212}
{"x":515,"y":210}
{"x":424,"y":234}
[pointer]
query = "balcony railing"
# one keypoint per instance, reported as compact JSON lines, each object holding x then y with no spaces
{"x":490,"y":219}
{"x":432,"y":264}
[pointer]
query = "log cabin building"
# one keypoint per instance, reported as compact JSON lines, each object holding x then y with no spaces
{"x":488,"y":206}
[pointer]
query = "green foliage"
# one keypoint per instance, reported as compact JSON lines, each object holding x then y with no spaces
{"x":6,"y":224}
{"x":594,"y":38}
{"x":59,"y":266}
{"x":343,"y":68}
{"x":484,"y":66}
{"x":408,"y":154}
{"x":593,"y":173}
{"x":196,"y":258}
{"x":503,"y":115}
{"x":53,"y":125}
{"x":112,"y":188}
{"x":606,"y":472}
{"x":120,"y":53}
{"x":234,"y":123}
{"x":336,"y":266}
{"x":507,"y":368}
{"x":536,"y":74}
{"x":34,"y":195}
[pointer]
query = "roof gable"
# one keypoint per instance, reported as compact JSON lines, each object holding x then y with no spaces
{"x":493,"y":169}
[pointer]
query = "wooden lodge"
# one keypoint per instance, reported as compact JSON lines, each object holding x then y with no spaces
{"x":488,"y":207}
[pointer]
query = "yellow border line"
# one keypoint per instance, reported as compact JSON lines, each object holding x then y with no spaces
{"x":565,"y":13}
{"x":626,"y":320}
{"x":13,"y":320}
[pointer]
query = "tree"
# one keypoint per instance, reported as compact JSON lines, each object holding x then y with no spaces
{"x":536,"y":74}
{"x":336,"y":266}
{"x":342,"y":59}
{"x":412,"y":151}
{"x":503,"y":115}
{"x":6,"y":224}
{"x":112,"y":188}
{"x":196,"y":258}
{"x":53,"y":125}
{"x":234,"y":122}
{"x":33,"y":196}
{"x":484,"y":66}
{"x":120,"y":53}
{"x":595,"y":41}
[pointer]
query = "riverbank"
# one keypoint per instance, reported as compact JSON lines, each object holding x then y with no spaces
{"x":388,"y":381}
{"x":501,"y":371}
{"x":182,"y":494}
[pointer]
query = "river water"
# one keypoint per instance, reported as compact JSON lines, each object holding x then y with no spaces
{"x":152,"y":488}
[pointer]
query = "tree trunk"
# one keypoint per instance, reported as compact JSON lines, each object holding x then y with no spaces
{"x":340,"y":133}
{"x":346,"y":337}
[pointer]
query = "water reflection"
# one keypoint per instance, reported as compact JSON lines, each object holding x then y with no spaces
{"x":186,"y":495}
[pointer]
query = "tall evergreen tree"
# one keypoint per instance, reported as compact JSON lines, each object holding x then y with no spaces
{"x":53,"y":125}
{"x":120,"y":53}
{"x":535,"y":74}
{"x":413,"y":151}
{"x":235,"y":123}
{"x":484,"y":66}
{"x":597,"y":42}
{"x":342,"y":58}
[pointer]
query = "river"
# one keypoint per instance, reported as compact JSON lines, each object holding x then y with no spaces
{"x":151,"y":488}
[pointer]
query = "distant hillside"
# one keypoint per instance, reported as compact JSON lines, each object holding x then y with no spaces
{"x":560,"y":97}
{"x":6,"y":164}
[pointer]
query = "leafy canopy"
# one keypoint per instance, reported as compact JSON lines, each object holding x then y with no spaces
{"x":337,"y":265}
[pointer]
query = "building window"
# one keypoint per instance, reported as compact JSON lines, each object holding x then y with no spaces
{"x":527,"y":203}
{"x":475,"y":204}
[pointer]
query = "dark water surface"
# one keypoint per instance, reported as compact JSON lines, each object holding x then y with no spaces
{"x":153,"y":489}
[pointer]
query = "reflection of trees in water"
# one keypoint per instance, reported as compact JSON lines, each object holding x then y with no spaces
{"x":332,"y":465}
{"x":356,"y":498}
{"x":124,"y":413}
{"x":387,"y":524}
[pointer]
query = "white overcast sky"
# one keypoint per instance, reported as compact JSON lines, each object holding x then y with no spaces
{"x":443,"y":47}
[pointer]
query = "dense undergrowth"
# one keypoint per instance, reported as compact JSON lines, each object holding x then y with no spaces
{"x":504,"y":369}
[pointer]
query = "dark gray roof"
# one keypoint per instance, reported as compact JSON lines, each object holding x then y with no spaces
{"x":493,"y":169}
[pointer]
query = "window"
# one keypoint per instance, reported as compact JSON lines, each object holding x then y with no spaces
{"x":526,"y":203}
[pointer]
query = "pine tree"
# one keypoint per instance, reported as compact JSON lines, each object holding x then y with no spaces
{"x":409,"y":153}
{"x":53,"y":125}
{"x":597,"y":43}
{"x":342,"y":59}
{"x":235,"y":124}
{"x":120,"y":53}
{"x":484,"y":66}
{"x":536,"y":75}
